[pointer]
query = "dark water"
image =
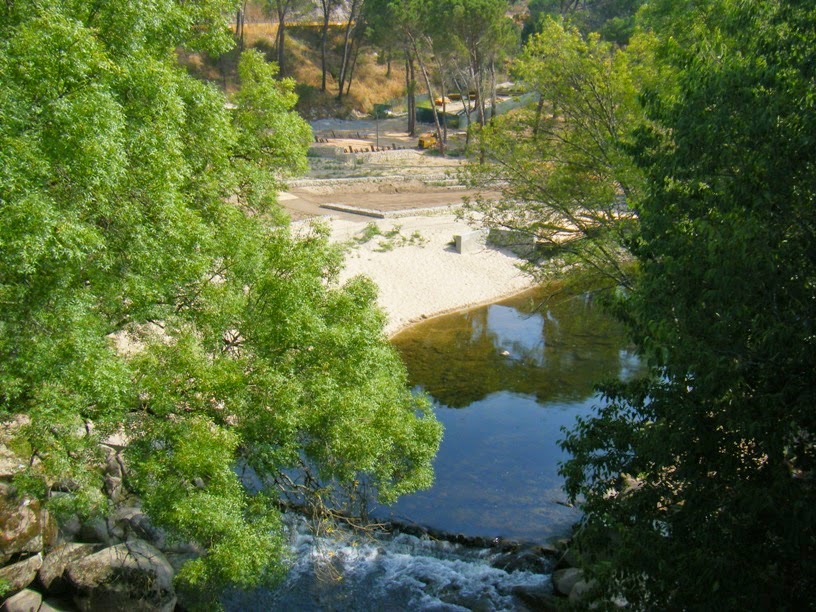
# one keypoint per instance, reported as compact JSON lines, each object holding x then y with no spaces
{"x":504,"y":380}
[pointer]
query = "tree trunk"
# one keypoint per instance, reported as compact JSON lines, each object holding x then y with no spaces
{"x":492,"y":89}
{"x":539,"y":112}
{"x":476,"y":78}
{"x":410,"y":91}
{"x":424,"y":70}
{"x":280,"y":40}
{"x":347,"y":44}
{"x":440,"y":67}
{"x":239,"y":26}
{"x":355,"y":55}
{"x":324,"y":37}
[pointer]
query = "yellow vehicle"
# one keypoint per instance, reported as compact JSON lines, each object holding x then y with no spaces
{"x":426,"y":141}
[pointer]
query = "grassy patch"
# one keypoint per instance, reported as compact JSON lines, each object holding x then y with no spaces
{"x":390,"y":239}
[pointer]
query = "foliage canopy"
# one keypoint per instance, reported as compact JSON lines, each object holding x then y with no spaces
{"x":149,"y":286}
{"x":699,"y":480}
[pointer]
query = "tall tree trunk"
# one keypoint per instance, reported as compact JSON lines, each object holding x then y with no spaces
{"x":424,"y":69}
{"x":355,"y":55}
{"x":492,"y":89}
{"x":280,"y":41}
{"x":324,"y":37}
{"x":476,"y":78}
{"x":347,"y":44}
{"x":410,"y":92}
{"x":440,"y":68}
{"x":463,"y":94}
{"x":239,"y":25}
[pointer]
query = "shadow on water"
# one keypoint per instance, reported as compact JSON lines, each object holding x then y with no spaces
{"x":505,"y":379}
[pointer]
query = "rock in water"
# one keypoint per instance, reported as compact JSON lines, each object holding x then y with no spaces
{"x":563,"y":580}
{"x":132,"y":576}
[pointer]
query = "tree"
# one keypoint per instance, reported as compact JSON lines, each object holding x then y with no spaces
{"x":283,"y":9}
{"x":699,"y":480}
{"x":478,"y":26}
{"x":613,"y":19}
{"x":149,"y":286}
{"x":566,"y":180}
{"x":353,"y":32}
{"x":327,"y":8}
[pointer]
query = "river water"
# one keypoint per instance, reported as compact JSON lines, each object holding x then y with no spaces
{"x":504,"y":380}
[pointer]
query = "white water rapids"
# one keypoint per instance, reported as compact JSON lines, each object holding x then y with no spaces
{"x":400,"y":572}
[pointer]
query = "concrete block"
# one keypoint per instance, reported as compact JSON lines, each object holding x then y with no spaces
{"x":519,"y":243}
{"x":471,"y":242}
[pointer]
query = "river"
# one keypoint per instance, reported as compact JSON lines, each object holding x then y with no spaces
{"x":504,"y":380}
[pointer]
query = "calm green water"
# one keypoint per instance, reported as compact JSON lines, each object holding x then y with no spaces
{"x":504,"y":379}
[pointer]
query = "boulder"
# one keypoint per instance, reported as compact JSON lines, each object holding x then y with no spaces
{"x":25,"y":527}
{"x":130,"y":522}
{"x":95,"y":530}
{"x":19,"y":575}
{"x":563,"y":580}
{"x":580,"y":590}
{"x":112,"y":465}
{"x":51,"y":575}
{"x":114,"y":489}
{"x":57,"y":605}
{"x":24,"y":601}
{"x":537,"y":597}
{"x":132,"y":576}
{"x":10,"y":463}
{"x":523,"y":561}
{"x":69,"y":527}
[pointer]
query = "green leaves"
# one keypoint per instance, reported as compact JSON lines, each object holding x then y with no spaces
{"x":569,"y":185}
{"x":149,"y":286}
{"x":723,"y":310}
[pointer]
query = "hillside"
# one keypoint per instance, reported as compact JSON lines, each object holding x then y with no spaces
{"x":374,"y":81}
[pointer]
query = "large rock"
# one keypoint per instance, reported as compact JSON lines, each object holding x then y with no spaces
{"x":25,"y":527}
{"x":563,"y":580}
{"x":10,"y":463}
{"x":95,"y":530}
{"x":19,"y":575}
{"x":524,"y":561}
{"x":133,"y":576}
{"x":580,"y":590}
{"x":24,"y":601}
{"x":537,"y":597}
{"x":51,"y":575}
{"x":131,"y":523}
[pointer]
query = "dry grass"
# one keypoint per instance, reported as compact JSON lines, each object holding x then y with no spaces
{"x":371,"y":82}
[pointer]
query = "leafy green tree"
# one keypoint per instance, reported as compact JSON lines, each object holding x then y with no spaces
{"x":699,"y":480}
{"x":150,"y":287}
{"x":561,"y":162}
{"x":479,"y":27}
{"x":613,"y":19}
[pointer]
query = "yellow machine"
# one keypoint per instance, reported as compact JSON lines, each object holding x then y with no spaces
{"x":426,"y":141}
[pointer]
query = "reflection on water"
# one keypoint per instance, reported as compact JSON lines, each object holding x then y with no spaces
{"x":505,"y":379}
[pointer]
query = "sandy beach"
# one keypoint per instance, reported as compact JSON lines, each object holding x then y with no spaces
{"x":417,"y":269}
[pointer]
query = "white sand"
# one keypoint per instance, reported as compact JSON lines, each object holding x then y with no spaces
{"x":417,"y":281}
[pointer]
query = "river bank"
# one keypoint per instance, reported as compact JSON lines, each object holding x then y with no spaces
{"x":418,"y":270}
